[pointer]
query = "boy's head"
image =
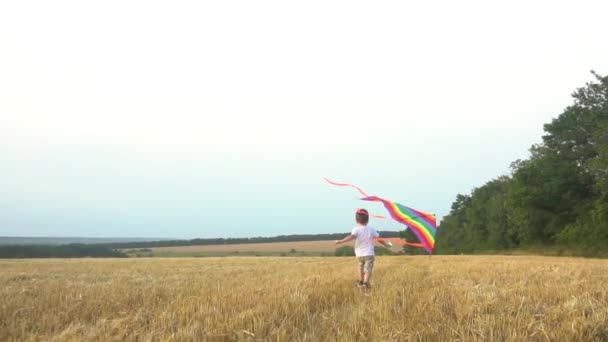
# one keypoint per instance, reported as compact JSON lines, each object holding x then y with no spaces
{"x":362,"y":217}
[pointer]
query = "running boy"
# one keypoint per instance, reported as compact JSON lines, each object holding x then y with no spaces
{"x":364,"y":246}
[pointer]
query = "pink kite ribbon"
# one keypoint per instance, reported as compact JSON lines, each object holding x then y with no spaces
{"x":346,"y":184}
{"x":360,"y":191}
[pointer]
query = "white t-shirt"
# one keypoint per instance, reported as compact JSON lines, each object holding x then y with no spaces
{"x":364,"y":244}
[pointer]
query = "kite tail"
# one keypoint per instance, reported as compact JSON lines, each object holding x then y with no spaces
{"x":360,"y":191}
{"x":346,"y":184}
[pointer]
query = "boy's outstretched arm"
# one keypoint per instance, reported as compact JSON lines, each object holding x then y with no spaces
{"x":346,"y":239}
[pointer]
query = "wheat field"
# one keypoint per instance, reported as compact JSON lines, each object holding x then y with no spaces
{"x":439,"y":298}
{"x":324,"y":246}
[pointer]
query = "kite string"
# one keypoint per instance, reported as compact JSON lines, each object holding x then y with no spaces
{"x":400,"y":241}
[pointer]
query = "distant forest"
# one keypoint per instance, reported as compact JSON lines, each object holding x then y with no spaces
{"x":74,"y":250}
{"x":24,"y":240}
{"x":231,"y":241}
{"x":558,"y":198}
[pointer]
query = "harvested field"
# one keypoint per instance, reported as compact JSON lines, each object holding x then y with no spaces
{"x":439,"y":298}
{"x":276,"y":247}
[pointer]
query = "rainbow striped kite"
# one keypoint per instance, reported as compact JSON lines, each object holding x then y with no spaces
{"x":422,"y":224}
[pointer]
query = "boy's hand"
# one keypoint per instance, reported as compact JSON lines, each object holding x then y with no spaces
{"x":337,"y":242}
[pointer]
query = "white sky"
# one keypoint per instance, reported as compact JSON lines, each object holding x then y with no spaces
{"x":144,"y":118}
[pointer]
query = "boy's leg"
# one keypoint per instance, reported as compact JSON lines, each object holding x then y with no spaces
{"x":368,"y":268}
{"x":361,"y":270}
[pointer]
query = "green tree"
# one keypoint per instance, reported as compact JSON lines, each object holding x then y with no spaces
{"x":590,"y":229}
{"x":450,"y":233}
{"x":557,"y":196}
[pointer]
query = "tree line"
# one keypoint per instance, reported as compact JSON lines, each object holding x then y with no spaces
{"x":231,"y":241}
{"x":111,"y":250}
{"x":558,"y":197}
{"x":75,"y":250}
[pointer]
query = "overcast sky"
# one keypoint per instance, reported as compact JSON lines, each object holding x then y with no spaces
{"x":219,"y":118}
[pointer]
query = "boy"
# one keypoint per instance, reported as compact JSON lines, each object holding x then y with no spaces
{"x":364,"y":246}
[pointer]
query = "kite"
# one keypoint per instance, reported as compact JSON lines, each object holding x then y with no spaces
{"x":422,"y":224}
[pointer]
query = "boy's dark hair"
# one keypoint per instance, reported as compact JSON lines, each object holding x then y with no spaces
{"x":362,"y":216}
